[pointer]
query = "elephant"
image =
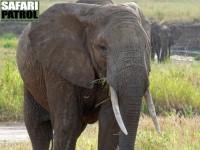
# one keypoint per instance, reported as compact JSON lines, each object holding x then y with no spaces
{"x":162,"y":37}
{"x":62,"y":57}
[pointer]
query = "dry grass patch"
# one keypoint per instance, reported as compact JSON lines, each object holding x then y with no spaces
{"x":177,"y":133}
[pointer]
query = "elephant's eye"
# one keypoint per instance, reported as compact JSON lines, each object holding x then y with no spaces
{"x":102,"y":47}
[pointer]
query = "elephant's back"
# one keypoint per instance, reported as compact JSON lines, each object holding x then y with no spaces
{"x":30,"y":69}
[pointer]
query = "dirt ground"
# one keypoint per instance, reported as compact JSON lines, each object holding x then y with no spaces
{"x":177,"y":58}
{"x":13,"y":132}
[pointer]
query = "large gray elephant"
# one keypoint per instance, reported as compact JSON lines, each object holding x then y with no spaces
{"x":162,"y":37}
{"x":61,"y":56}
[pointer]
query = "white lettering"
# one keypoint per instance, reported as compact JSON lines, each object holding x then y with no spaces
{"x":17,"y":5}
{"x":4,"y":5}
{"x":20,"y":5}
{"x":30,"y":6}
{"x":36,"y":6}
{"x":11,"y":5}
{"x":23,"y":6}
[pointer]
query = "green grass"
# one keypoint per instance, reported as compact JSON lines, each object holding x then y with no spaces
{"x":176,"y":87}
{"x":176,"y":133}
{"x":9,"y":40}
{"x":197,"y":58}
{"x":169,"y":10}
{"x":11,"y":95}
{"x":163,"y":10}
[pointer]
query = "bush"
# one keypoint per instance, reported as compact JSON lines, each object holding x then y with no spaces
{"x":197,"y":58}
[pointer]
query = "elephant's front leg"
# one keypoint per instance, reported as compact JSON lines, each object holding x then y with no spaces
{"x":66,"y":119}
{"x":108,"y":129}
{"x":37,"y":123}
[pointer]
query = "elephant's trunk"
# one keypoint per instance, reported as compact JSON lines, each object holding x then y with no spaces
{"x":131,"y":87}
{"x":115,"y":105}
{"x":127,"y":74}
{"x":130,"y":99}
{"x":130,"y":80}
{"x":164,"y":50}
{"x":131,"y":115}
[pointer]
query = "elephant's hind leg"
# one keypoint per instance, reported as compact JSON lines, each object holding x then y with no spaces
{"x":37,"y":123}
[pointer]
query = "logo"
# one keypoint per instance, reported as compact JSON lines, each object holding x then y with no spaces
{"x":19,"y":10}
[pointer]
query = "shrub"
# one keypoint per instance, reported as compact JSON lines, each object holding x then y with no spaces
{"x":197,"y":58}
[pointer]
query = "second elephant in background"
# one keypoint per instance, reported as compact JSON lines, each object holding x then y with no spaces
{"x":162,"y":37}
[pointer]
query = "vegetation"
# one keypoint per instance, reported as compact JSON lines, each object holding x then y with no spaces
{"x":11,"y":94}
{"x":163,"y":10}
{"x":9,"y":40}
{"x":177,"y":133}
{"x":197,"y":58}
{"x":171,"y":10}
{"x":174,"y":87}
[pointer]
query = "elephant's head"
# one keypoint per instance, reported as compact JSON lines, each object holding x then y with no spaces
{"x":83,"y":42}
{"x":175,"y":33}
{"x":168,"y":35}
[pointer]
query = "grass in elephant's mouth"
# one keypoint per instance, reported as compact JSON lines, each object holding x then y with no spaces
{"x":177,"y":133}
{"x":102,"y":80}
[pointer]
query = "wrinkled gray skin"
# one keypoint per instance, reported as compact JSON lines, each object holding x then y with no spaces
{"x":162,"y":37}
{"x":59,"y":56}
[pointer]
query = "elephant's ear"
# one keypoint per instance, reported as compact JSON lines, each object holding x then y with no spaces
{"x":175,"y":33}
{"x":57,"y":41}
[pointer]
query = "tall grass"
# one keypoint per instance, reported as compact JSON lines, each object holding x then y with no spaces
{"x":162,"y":10}
{"x":176,"y":87}
{"x":9,"y":40}
{"x":169,"y":10}
{"x":11,"y":95}
{"x":176,"y":133}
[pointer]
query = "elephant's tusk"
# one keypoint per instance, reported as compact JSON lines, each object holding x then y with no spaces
{"x":115,"y":106}
{"x":160,"y":54}
{"x":152,"y":111}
